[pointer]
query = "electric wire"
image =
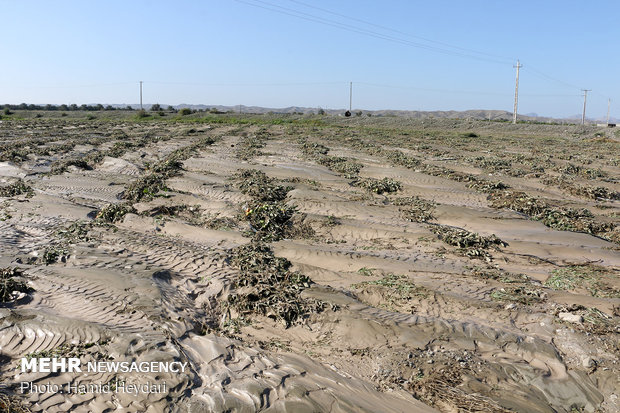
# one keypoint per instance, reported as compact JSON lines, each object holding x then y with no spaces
{"x":356,"y":29}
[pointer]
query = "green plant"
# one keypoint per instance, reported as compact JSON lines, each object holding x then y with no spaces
{"x":365,"y":271}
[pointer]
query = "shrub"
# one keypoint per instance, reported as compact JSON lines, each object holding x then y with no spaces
{"x":185,"y":112}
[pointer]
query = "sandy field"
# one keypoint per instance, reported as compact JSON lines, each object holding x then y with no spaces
{"x":308,"y":264}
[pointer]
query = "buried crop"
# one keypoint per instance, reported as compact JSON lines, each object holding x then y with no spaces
{"x":63,"y":165}
{"x":587,"y":277}
{"x":266,"y":285}
{"x":471,"y":244}
{"x":415,"y":209}
{"x":114,"y":212}
{"x":220,"y":223}
{"x":378,"y":186}
{"x":149,"y":185}
{"x":269,"y":217}
{"x":462,"y":238}
{"x":487,"y":186}
{"x":269,"y":221}
{"x":491,"y":273}
{"x":314,"y":149}
{"x":76,"y":232}
{"x":250,"y":146}
{"x":259,"y":186}
{"x":347,"y":167}
{"x":400,"y":158}
{"x":396,"y":288}
{"x":54,"y":253}
{"x":145,"y":188}
{"x":593,"y":192}
{"x":564,"y":219}
{"x":171,"y":210}
{"x":519,"y":294}
{"x":599,"y":193}
{"x":18,"y":187}
{"x":12,"y":284}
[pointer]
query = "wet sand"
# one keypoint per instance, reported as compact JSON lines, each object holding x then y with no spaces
{"x":409,"y":322}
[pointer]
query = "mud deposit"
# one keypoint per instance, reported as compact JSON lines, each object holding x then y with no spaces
{"x":312,"y":264}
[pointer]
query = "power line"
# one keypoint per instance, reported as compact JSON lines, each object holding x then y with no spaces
{"x":356,"y":29}
{"x":400,"y":32}
{"x":245,"y":84}
{"x":548,"y":77}
{"x":466,"y":92}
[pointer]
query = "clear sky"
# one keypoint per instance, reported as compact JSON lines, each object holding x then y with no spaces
{"x":411,"y":55}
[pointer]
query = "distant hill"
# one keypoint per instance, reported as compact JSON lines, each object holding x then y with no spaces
{"x":478,"y":114}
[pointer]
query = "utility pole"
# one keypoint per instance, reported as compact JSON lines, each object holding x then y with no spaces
{"x":585,"y":98}
{"x":608,"y":106}
{"x":140,"y":95}
{"x":514,"y":112}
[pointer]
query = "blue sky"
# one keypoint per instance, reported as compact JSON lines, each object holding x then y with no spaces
{"x":412,"y":55}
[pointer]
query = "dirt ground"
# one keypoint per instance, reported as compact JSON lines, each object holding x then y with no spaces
{"x":312,"y":264}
